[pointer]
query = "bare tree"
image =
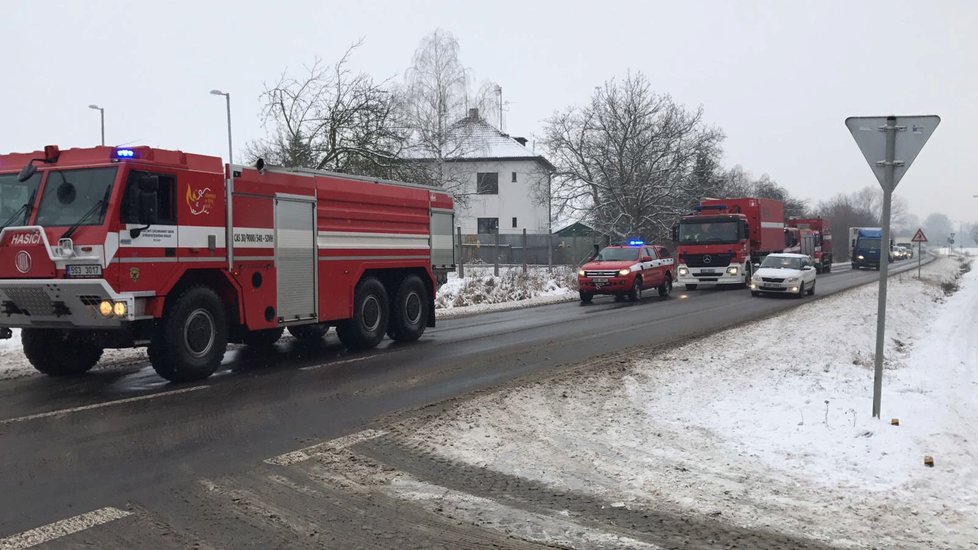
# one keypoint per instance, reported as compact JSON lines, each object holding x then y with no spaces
{"x":437,"y":97}
{"x":332,"y":118}
{"x":627,"y":162}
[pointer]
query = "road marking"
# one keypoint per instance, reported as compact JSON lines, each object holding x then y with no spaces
{"x":344,"y":362}
{"x":61,"y":412}
{"x":313,"y":451}
{"x":63,"y":528}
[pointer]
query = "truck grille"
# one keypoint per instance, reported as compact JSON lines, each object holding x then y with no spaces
{"x":601,"y":273}
{"x":707,"y":260}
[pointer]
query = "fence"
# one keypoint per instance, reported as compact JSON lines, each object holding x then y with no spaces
{"x":524,"y":249}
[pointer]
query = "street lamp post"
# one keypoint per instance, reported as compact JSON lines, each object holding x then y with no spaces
{"x":227,"y":96}
{"x":101,"y":113}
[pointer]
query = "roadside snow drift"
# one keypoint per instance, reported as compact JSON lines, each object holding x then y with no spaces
{"x":767,"y":425}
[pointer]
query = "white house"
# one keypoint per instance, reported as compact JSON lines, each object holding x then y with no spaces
{"x":502,"y":183}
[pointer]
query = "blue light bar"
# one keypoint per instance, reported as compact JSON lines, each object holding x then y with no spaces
{"x":635,"y":243}
{"x":125,"y":154}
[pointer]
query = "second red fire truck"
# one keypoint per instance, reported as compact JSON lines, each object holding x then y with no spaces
{"x":122,"y":247}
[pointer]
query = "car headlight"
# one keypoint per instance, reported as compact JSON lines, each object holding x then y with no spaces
{"x":860,"y":257}
{"x":683,"y":271}
{"x":732,"y":270}
{"x":791,"y":280}
{"x":580,"y":272}
{"x":624,"y":272}
{"x":756,"y":278}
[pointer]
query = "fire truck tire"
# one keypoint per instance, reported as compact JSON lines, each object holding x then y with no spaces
{"x":635,"y":295}
{"x":409,"y":311}
{"x":60,"y":352}
{"x":690,"y":287}
{"x":666,"y":287}
{"x":263,"y":338}
{"x":191,"y":340}
{"x":586,"y":297}
{"x":309,"y":333}
{"x":827,"y":268}
{"x":371,"y":310}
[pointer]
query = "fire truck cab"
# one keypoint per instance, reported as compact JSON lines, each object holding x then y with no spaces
{"x":121,"y":247}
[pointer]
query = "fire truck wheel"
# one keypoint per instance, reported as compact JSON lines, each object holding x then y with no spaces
{"x":635,"y":295}
{"x":191,"y":340}
{"x":666,"y":287}
{"x":586,"y":297}
{"x":263,"y":338}
{"x":60,"y":352}
{"x":309,"y":333}
{"x":370,"y":313}
{"x":409,"y":311}
{"x":690,"y":287}
{"x":827,"y":268}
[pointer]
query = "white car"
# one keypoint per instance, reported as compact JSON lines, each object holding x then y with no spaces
{"x":784,"y":274}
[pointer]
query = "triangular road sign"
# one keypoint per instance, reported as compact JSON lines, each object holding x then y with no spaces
{"x":913,"y":133}
{"x":919,"y":237}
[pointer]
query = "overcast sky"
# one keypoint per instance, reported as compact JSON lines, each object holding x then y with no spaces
{"x":779,"y":77}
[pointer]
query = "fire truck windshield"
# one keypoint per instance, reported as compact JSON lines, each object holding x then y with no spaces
{"x":709,"y":232}
{"x":616,"y":254}
{"x":71,"y":194}
{"x":16,"y":198}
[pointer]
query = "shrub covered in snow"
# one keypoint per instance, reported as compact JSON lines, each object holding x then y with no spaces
{"x":512,"y":285}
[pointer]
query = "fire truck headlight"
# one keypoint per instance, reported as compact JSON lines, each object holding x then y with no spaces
{"x":120,"y":309}
{"x":732,"y":270}
{"x":580,"y":272}
{"x":624,"y":272}
{"x":105,"y":308}
{"x":683,"y":271}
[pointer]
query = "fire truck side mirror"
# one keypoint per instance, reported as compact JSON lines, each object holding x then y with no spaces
{"x":26,"y":172}
{"x":260,"y":165}
{"x":675,"y":232}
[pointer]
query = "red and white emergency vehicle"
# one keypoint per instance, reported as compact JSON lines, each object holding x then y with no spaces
{"x":625,"y":271}
{"x":821,"y":247}
{"x":721,"y":239}
{"x":121,"y":247}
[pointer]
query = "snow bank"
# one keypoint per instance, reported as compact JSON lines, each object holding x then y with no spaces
{"x":480,"y":291}
{"x":767,"y":425}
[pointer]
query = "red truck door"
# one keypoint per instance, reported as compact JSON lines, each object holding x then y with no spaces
{"x":652,"y":268}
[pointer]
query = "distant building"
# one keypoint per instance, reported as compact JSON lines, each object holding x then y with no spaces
{"x":504,"y":184}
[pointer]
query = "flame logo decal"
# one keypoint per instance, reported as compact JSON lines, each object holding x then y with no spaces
{"x":200,"y":201}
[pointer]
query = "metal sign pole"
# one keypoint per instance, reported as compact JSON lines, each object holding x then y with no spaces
{"x":918,"y":260}
{"x":891,"y":130}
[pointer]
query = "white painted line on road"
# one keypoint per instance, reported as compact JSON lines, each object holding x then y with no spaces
{"x":63,"y":528}
{"x":344,"y":362}
{"x":61,"y":412}
{"x":312,"y":451}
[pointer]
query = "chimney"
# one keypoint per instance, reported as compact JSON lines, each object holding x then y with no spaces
{"x":474,"y":114}
{"x":521,"y":140}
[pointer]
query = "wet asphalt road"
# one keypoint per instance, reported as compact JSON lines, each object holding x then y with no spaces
{"x":122,"y":435}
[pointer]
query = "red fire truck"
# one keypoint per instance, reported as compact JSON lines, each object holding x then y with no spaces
{"x":821,"y":230}
{"x":122,"y":247}
{"x":722,"y":237}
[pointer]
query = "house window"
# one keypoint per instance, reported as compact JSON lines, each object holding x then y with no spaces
{"x":514,"y":222}
{"x":488,"y":226}
{"x":514,"y":177}
{"x":487,"y":183}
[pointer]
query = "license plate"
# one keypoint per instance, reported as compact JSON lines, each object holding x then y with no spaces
{"x":599,"y":285}
{"x":83,"y":271}
{"x":773,"y":285}
{"x":599,"y":280}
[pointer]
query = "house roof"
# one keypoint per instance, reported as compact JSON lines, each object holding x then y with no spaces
{"x":477,"y":140}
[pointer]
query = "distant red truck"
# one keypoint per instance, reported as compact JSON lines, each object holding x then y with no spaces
{"x":722,"y":238}
{"x":821,"y":247}
{"x":625,"y":271}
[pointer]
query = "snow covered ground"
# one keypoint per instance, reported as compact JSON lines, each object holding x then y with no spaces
{"x":765,"y":426}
